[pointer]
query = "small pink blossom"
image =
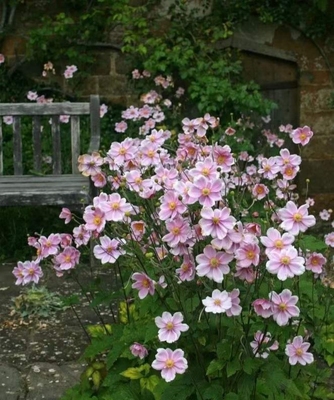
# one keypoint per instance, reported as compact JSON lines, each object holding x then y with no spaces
{"x":213,"y":264}
{"x":8,"y":119}
{"x":2,"y":58}
{"x":295,"y":219}
{"x":32,"y":95}
{"x":206,"y":191}
{"x":329,"y":239}
{"x":179,"y":231}
{"x":301,"y":135}
{"x":170,"y":326}
{"x":103,"y":110}
{"x":66,"y":214}
{"x":315,"y":262}
{"x":325,"y":215}
{"x":121,"y":127}
{"x":283,"y":306}
{"x":67,"y":259}
{"x":285,"y":263}
{"x":138,"y":350}
{"x":109,"y":250}
{"x":216,"y":222}
{"x":276,"y":241}
{"x":170,"y":363}
{"x":186,"y":272}
{"x":297,"y":352}
{"x":218,"y":303}
{"x":144,"y":284}
{"x":235,"y":308}
{"x":260,"y":344}
{"x":262,"y":307}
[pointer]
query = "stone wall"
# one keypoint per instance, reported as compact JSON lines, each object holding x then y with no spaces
{"x":314,"y":63}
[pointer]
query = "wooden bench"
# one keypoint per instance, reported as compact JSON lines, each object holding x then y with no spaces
{"x":32,"y":187}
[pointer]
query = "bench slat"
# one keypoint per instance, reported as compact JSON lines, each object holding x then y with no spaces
{"x":75,"y":143}
{"x":56,"y":146}
{"x":22,"y":109}
{"x":37,"y":143}
{"x":17,"y":146}
{"x":1,"y":149}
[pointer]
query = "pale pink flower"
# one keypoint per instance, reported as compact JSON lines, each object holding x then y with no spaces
{"x":301,"y":135}
{"x":248,"y":254}
{"x":213,"y":264}
{"x":66,"y":214}
{"x":186,"y":272}
{"x":285,"y":263}
{"x":170,"y":363}
{"x":94,"y":218}
{"x":99,"y":180}
{"x":325,"y":215}
{"x":64,"y":119}
{"x":206,"y":168}
{"x":206,"y":191}
{"x":216,"y":222}
{"x":90,"y":164}
{"x":260,"y":344}
{"x":109,"y":250}
{"x":295,"y":220}
{"x":285,"y":158}
{"x":67,"y":259}
{"x":223,"y":157}
{"x":260,"y":191}
{"x":8,"y":119}
{"x":138,"y":229}
{"x":121,"y":126}
{"x":218,"y":303}
{"x":103,"y":110}
{"x":32,"y":95}
{"x":18,"y":273}
{"x":235,"y":308}
{"x":230,"y":131}
{"x":275,"y":241}
{"x":138,"y":350}
{"x":262,"y":307}
{"x":144,"y":284}
{"x":329,"y":239}
{"x":310,"y":202}
{"x":315,"y":262}
{"x":171,"y":206}
{"x":297,"y":352}
{"x":32,"y":272}
{"x":179,"y":231}
{"x":123,"y":152}
{"x":2,"y":58}
{"x":81,"y":235}
{"x":283,"y":306}
{"x":115,"y":207}
{"x":50,"y":244}
{"x":170,"y":326}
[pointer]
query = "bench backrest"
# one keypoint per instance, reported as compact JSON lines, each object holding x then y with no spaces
{"x":52,"y":110}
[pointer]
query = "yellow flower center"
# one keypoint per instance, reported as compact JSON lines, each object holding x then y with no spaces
{"x":282,"y":306}
{"x":205,"y":191}
{"x":299,"y":351}
{"x":176,"y":231}
{"x":97,"y":221}
{"x":169,"y":363}
{"x":122,"y":151}
{"x":169,"y":326}
{"x":214,"y":262}
{"x":279,"y":244}
{"x":217,"y":302}
{"x":115,"y":206}
{"x":172,"y":205}
{"x":250,"y":255}
{"x":285,"y":260}
{"x":297,"y":217}
{"x":215,"y":220}
{"x":205,"y":171}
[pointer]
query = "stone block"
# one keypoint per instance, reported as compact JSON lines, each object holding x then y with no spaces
{"x":102,"y":63}
{"x":11,"y":384}
{"x":121,"y":65}
{"x":112,"y":85}
{"x":320,"y":173}
{"x":13,"y":45}
{"x":320,"y":147}
{"x":315,"y":78}
{"x":321,"y":123}
{"x":90,"y":86}
{"x":317,"y":101}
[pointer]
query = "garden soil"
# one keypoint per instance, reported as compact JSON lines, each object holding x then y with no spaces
{"x":41,"y":358}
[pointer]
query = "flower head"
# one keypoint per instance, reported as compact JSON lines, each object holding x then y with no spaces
{"x":297,"y":352}
{"x":170,"y":363}
{"x":283,"y":306}
{"x":170,"y":326}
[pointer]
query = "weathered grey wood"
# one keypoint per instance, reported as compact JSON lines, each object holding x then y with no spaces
{"x":56,"y":146}
{"x":17,"y":146}
{"x":37,"y":143}
{"x":75,"y":143}
{"x":94,"y":123}
{"x":20,"y":109}
{"x":57,"y":189}
{"x":1,"y":149}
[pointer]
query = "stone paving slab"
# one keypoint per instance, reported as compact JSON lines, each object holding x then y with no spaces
{"x":12,"y":384}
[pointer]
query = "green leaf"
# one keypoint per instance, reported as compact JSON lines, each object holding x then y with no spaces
{"x":136,"y":373}
{"x":330,"y":360}
{"x":232,"y":367}
{"x":231,"y":396}
{"x":215,"y":366}
{"x":214,"y":392}
{"x":149,"y":383}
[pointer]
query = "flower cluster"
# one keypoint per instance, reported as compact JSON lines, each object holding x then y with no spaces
{"x":208,"y":236}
